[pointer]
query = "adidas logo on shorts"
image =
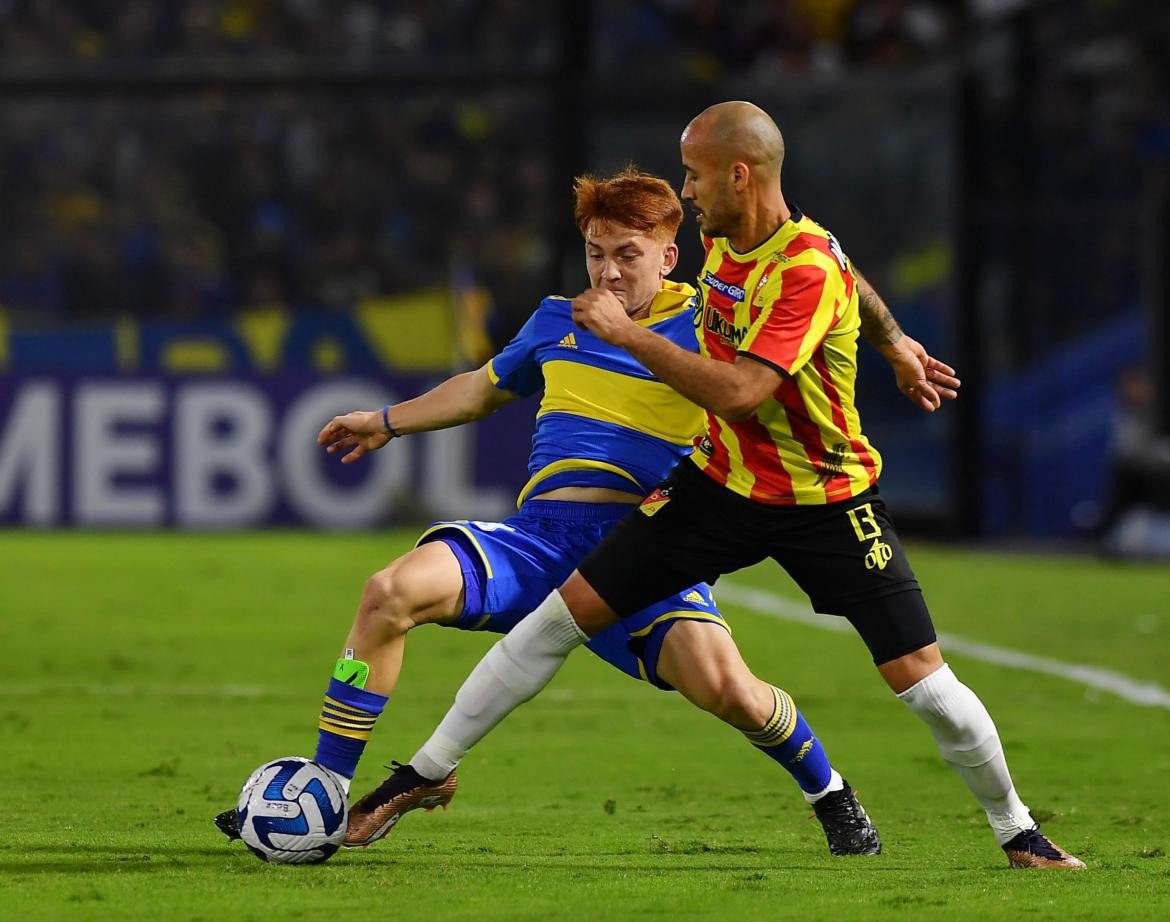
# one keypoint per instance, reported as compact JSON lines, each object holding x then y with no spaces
{"x":569,"y":341}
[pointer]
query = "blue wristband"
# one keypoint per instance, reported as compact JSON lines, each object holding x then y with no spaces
{"x":386,"y":422}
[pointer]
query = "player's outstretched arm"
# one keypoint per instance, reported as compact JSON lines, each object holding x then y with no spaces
{"x":458,"y":400}
{"x":921,"y":377}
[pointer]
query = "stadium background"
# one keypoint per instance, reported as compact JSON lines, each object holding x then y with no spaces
{"x":225,"y":219}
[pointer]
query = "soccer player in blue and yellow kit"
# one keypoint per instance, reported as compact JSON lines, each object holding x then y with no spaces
{"x":783,"y":471}
{"x":607,"y":431}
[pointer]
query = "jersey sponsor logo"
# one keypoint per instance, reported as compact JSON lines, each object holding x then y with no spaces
{"x":734,"y":292}
{"x":655,"y":501}
{"x":724,"y":329}
{"x":568,"y":341}
{"x":879,"y":555}
{"x":695,"y":596}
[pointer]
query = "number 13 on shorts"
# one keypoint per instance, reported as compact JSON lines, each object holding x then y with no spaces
{"x":865,"y":526}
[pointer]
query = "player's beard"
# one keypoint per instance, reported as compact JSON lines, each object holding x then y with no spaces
{"x":710,"y":224}
{"x":709,"y":227}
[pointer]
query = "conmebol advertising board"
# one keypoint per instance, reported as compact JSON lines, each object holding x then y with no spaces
{"x":147,"y":451}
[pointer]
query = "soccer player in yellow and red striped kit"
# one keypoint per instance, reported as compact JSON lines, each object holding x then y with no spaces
{"x":783,"y":471}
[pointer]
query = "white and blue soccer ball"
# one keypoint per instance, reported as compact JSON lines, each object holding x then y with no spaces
{"x":292,"y":811}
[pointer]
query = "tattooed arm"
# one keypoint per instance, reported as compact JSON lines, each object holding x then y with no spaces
{"x":878,"y":325}
{"x":923,"y":379}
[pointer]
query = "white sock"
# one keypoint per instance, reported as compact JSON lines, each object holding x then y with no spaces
{"x":514,"y":670}
{"x":966,"y":737}
{"x":836,"y":783}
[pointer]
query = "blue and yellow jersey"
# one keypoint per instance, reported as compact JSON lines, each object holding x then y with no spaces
{"x":604,"y":420}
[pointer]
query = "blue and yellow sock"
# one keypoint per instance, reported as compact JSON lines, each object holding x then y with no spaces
{"x":788,"y":739}
{"x":348,"y":715}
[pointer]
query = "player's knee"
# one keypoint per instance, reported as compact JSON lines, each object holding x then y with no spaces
{"x":962,"y":728}
{"x":733,"y":700}
{"x":387,"y":602}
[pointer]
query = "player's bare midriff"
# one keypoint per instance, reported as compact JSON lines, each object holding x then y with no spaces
{"x":590,"y":495}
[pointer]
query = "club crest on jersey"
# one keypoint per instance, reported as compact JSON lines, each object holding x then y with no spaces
{"x":760,"y":297}
{"x":655,"y":501}
{"x":705,"y":446}
{"x":734,"y":292}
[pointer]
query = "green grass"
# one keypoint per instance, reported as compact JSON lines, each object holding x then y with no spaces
{"x":601,"y":799}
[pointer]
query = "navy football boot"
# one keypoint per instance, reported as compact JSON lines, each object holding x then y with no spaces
{"x":1032,"y":849}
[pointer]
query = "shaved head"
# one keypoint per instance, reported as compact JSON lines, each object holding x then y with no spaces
{"x":732,"y":154}
{"x":737,"y":131}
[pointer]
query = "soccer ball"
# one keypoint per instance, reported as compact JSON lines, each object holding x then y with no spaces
{"x":292,"y":811}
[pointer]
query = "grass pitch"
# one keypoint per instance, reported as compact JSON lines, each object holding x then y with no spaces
{"x":146,"y":675}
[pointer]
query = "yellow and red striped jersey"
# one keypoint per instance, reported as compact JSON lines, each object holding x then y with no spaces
{"x":791,"y":303}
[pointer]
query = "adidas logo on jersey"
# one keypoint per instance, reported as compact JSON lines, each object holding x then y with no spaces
{"x":695,"y":596}
{"x":568,"y":341}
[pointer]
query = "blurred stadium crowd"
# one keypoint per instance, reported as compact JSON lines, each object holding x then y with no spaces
{"x":187,"y":206}
{"x":182,"y":207}
{"x":217,"y":200}
{"x":352,"y":30}
{"x":750,"y":35}
{"x":209,"y":200}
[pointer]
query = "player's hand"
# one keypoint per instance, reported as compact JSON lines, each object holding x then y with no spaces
{"x":599,"y":311}
{"x":922,"y":378}
{"x":361,"y":432}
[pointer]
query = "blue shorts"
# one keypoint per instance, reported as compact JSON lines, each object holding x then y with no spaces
{"x":510,"y":567}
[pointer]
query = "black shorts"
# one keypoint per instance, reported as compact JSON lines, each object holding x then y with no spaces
{"x":845,"y":556}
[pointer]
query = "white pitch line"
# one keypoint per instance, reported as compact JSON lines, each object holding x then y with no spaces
{"x":121,"y":690}
{"x":777,"y":606}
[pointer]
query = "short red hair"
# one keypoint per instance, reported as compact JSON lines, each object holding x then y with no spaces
{"x":641,"y":201}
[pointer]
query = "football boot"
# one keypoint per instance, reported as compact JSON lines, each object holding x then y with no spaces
{"x":375,"y":814}
{"x":847,"y":826}
{"x":1032,"y":849}
{"x":228,"y":823}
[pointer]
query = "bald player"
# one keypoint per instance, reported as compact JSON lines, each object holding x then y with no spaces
{"x":782,"y":471}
